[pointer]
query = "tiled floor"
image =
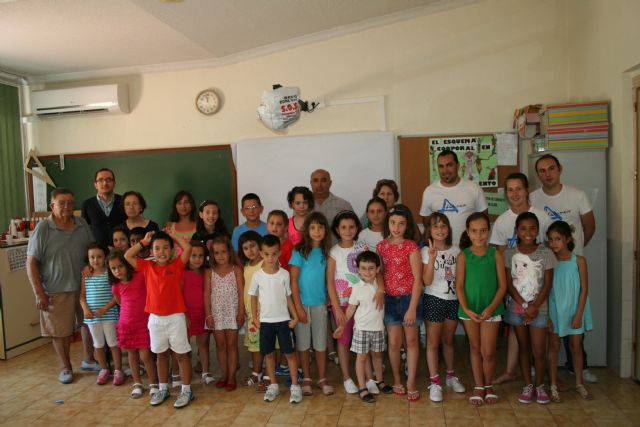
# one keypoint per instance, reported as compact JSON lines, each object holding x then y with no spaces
{"x":29,"y":390}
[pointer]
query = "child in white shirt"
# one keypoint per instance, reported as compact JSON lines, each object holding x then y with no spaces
{"x":368,"y":330}
{"x":271,"y":290}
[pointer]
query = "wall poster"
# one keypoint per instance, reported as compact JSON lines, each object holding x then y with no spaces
{"x":477,"y":155}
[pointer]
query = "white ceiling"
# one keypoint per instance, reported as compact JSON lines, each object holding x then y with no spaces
{"x":58,"y":38}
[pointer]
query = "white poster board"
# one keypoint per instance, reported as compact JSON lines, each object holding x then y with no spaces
{"x":271,"y":167}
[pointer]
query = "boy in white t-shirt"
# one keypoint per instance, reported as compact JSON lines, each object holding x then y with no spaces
{"x":368,"y":330}
{"x":271,"y":290}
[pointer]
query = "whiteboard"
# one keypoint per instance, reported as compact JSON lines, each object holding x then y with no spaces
{"x":271,"y":167}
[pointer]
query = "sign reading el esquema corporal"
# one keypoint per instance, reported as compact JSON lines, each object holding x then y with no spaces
{"x":476,"y":154}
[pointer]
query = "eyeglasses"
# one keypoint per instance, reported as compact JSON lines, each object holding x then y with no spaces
{"x":64,"y":202}
{"x":251,"y":207}
{"x":104,"y":180}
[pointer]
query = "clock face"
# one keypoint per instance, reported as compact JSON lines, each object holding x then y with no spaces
{"x":208,"y":102}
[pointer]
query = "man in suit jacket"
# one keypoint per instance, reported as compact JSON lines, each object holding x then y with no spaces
{"x":104,"y":211}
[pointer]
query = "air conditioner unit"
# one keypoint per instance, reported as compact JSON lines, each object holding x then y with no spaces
{"x":111,"y":98}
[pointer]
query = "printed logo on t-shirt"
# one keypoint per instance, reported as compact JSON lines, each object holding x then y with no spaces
{"x":555,"y":216}
{"x":447,"y":206}
{"x":511,"y":241}
{"x":447,"y":263}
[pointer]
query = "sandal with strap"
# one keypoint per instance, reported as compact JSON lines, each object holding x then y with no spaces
{"x":398,"y":390}
{"x":413,"y":396}
{"x":263,"y":384}
{"x":327,"y":389}
{"x":490,"y":397}
{"x":554,"y":395}
{"x":137,"y":391}
{"x":477,"y":400}
{"x":306,"y":387}
{"x":366,"y":397}
{"x":384,"y":388}
{"x":251,"y":380}
{"x":207,"y":378}
{"x":583,"y":392}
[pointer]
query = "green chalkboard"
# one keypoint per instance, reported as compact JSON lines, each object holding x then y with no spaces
{"x":207,"y":172}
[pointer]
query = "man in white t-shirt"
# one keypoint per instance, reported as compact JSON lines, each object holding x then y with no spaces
{"x":503,"y":233}
{"x":563,"y":202}
{"x":453,"y":196}
{"x":569,"y":204}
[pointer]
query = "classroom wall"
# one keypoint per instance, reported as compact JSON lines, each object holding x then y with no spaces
{"x":604,"y":55}
{"x":463,"y":70}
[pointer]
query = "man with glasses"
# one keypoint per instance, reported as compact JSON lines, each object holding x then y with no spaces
{"x":104,"y":211}
{"x":55,"y":258}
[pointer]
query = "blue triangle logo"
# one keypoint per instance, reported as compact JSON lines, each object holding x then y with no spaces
{"x":553,"y":214}
{"x":447,"y":206}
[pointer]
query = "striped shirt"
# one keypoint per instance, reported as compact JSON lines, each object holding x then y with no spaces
{"x":98,"y":294}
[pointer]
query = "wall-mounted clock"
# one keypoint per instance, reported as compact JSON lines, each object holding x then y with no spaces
{"x":208,"y":102}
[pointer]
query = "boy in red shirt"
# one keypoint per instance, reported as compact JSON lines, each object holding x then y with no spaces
{"x":165,"y":304}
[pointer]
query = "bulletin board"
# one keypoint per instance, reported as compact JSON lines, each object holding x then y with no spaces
{"x":416,"y":173}
{"x":207,"y":172}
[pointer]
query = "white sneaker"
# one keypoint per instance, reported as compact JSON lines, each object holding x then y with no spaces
{"x":372,"y":386}
{"x":435,"y":392}
{"x":272,"y":392}
{"x":455,"y":384}
{"x":350,"y":387}
{"x":589,"y":377}
{"x":296,"y":394}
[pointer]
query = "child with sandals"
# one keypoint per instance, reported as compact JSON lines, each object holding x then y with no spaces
{"x":481,"y":285}
{"x":308,"y":267}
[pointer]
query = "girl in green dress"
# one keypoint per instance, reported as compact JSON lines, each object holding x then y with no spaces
{"x":481,"y":284}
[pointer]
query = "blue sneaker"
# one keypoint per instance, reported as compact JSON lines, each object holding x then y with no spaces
{"x":159,"y":397}
{"x":282,"y":371}
{"x":66,"y":376}
{"x":92,"y":367}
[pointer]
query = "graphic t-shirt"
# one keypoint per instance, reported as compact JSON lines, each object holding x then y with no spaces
{"x":444,"y":273}
{"x":457,"y":203}
{"x":527,"y":272}
{"x":346,"y":269}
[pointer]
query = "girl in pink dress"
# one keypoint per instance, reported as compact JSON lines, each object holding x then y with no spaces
{"x":130,"y":291}
{"x":193,"y":291}
{"x":224,"y":307}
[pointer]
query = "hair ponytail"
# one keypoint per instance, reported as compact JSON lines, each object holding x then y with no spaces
{"x":465,"y":241}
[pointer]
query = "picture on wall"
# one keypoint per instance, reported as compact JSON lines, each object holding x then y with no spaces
{"x":477,"y":156}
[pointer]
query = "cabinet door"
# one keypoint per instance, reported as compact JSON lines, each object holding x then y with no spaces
{"x":20,"y":316}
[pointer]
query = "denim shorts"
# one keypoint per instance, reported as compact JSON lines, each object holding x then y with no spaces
{"x":395,"y":308}
{"x":516,"y":319}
